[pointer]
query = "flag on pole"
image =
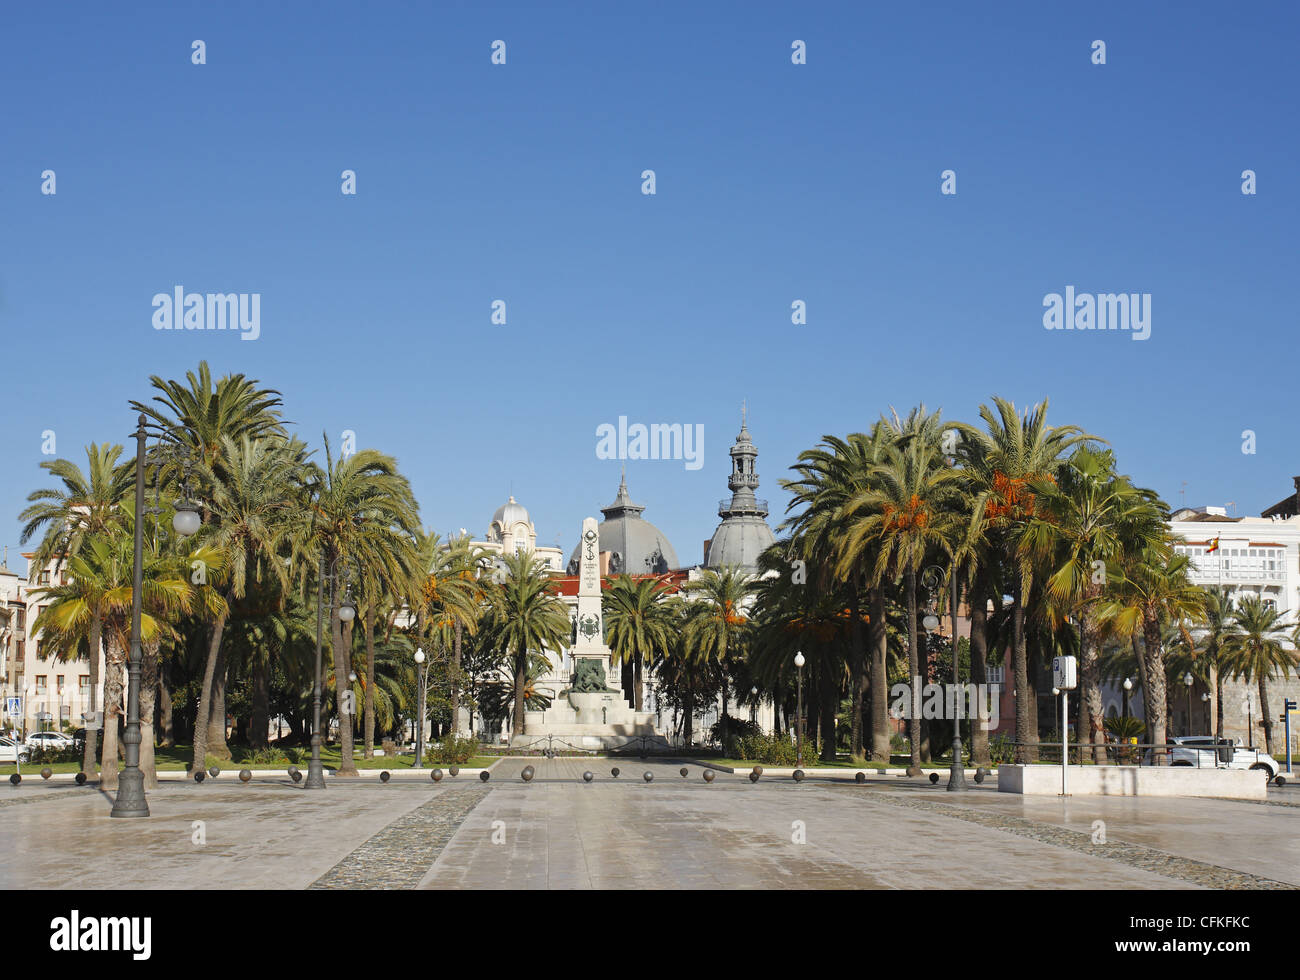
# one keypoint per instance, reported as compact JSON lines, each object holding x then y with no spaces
{"x":1214,"y":546}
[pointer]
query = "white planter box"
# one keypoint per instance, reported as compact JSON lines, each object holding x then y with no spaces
{"x":1236,"y":784}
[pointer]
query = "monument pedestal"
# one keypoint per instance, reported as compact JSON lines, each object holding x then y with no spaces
{"x":592,"y":712}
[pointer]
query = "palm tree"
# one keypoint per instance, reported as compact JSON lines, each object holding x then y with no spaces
{"x":908,"y":514}
{"x":527,"y":616}
{"x":447,"y":577}
{"x":364,"y":516}
{"x":1254,"y":651}
{"x":198,"y":415}
{"x":1151,"y":588}
{"x":830,"y":477}
{"x":717,"y":625}
{"x":252,"y":506}
{"x":1087,"y":516}
{"x":87,"y":505}
{"x":790,"y":618}
{"x":637,"y":624}
{"x":100,"y":583}
{"x":1000,"y":463}
{"x":1215,"y":626}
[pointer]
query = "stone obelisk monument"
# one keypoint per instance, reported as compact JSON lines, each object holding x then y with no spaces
{"x":590,"y":711}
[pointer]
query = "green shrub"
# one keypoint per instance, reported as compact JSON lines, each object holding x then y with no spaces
{"x":452,"y":750}
{"x":1001,"y":749}
{"x":897,"y":744}
{"x":776,"y":750}
{"x":270,"y":756}
{"x":48,"y":756}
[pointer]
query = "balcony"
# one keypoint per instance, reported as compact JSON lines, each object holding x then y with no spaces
{"x":757,"y":507}
{"x":1210,"y":569}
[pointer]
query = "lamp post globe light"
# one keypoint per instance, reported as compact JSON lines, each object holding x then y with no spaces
{"x":419,"y":720}
{"x":1188,"y":680}
{"x":1128,"y":686}
{"x":1205,"y":700}
{"x":933,"y":575}
{"x":798,"y":733}
{"x":130,"y":801}
{"x":346,"y":612}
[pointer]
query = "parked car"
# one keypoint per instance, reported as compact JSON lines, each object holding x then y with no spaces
{"x":49,"y":740}
{"x":1209,"y":752}
{"x":12,"y":751}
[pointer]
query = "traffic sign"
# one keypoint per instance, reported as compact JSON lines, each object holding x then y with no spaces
{"x":14,"y":706}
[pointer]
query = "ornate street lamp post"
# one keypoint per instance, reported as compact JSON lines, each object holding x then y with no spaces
{"x":419,"y":721}
{"x":1128,"y":686}
{"x":316,"y":772}
{"x":798,"y":734}
{"x":956,"y":772}
{"x":1188,"y":679}
{"x":130,"y":800}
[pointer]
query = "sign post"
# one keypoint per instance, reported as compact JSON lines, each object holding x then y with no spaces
{"x":1065,"y":676}
{"x":1288,"y":706}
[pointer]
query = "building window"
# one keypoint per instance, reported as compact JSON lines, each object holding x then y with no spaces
{"x":42,"y":684}
{"x":83,"y":684}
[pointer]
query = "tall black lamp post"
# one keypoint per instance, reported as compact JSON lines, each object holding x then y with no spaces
{"x":130,"y":800}
{"x":315,"y":771}
{"x":419,"y":721}
{"x":956,"y":772}
{"x":1188,"y":680}
{"x":798,"y":734}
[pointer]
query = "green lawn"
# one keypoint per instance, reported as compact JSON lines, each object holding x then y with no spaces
{"x":176,"y":759}
{"x":841,"y":762}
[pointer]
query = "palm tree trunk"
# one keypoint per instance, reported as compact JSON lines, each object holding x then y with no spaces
{"x":914,"y":678}
{"x":368,"y":625}
{"x":148,"y":695}
{"x":1090,"y":726}
{"x":722,"y":715}
{"x":1264,"y":715}
{"x":1218,"y":732}
{"x":259,"y":716}
{"x":688,"y":710}
{"x":166,"y":724}
{"x":1026,"y":728}
{"x":1154,"y":695}
{"x":640,"y":685}
{"x":89,"y":758}
{"x":828,"y":729}
{"x":455,"y":683}
{"x":342,"y":688}
{"x":979,"y":673}
{"x":200,"y":760}
{"x":113,"y":686}
{"x":878,"y":642}
{"x":857,"y":672}
{"x":521,"y":682}
{"x":217,"y":716}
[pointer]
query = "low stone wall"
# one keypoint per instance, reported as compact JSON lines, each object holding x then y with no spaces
{"x":1236,"y":784}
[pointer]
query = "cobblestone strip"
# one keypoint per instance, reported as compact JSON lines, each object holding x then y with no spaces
{"x":1134,"y":855}
{"x":47,"y":794}
{"x":399,"y":855}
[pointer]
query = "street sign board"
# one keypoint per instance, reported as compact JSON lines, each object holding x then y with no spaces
{"x":14,"y":706}
{"x":1065,"y":673}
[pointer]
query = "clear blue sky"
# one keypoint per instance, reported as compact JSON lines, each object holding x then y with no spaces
{"x":775,"y":182}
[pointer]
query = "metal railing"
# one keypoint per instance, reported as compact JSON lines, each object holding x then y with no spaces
{"x":1221,"y":756}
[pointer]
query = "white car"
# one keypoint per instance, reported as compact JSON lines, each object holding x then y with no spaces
{"x":1221,"y":753}
{"x":49,"y":740}
{"x":11,"y":751}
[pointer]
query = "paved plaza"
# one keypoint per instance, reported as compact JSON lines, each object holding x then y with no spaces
{"x":624,"y":833}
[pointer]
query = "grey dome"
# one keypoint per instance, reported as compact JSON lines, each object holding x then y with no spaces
{"x":739,"y":540}
{"x":637,"y":547}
